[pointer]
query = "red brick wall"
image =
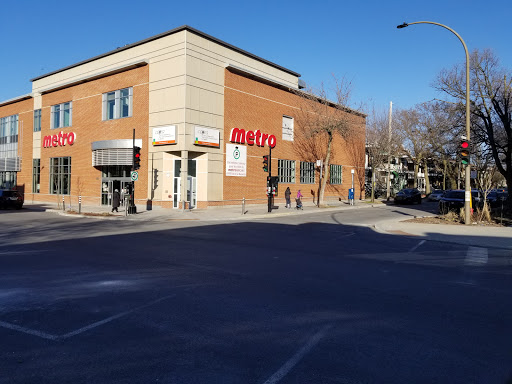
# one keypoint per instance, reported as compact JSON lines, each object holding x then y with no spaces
{"x":252,"y":105}
{"x":88,"y":126}
{"x":24,"y":110}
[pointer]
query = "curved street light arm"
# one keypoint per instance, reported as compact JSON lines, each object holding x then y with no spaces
{"x":467,"y":204}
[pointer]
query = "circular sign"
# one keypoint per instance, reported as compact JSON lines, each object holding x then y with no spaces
{"x":134,"y":175}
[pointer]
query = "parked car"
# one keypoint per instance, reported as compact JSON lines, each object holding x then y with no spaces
{"x":496,"y":199}
{"x":408,"y":195}
{"x":10,"y":199}
{"x":435,"y":195}
{"x":452,"y":200}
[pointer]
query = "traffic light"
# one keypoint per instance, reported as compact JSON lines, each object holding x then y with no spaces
{"x":464,"y":152}
{"x":136,"y":158}
{"x":265,"y":163}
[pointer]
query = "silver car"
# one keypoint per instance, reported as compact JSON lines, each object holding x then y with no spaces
{"x":435,"y":195}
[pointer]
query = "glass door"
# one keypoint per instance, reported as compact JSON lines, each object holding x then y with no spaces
{"x":192,"y":191}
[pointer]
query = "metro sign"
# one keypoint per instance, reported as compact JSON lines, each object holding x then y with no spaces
{"x":240,"y":136}
{"x":59,"y":140}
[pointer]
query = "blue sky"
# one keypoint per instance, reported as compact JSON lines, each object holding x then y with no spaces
{"x":357,"y":40}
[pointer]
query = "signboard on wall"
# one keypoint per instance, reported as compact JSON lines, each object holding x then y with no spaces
{"x":236,"y":160}
{"x":207,"y":136}
{"x":164,"y":135}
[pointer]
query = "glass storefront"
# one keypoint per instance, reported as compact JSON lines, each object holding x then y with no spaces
{"x":114,"y":177}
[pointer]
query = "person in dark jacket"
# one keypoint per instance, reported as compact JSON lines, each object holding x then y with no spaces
{"x":116,"y":200}
{"x":287,"y":195}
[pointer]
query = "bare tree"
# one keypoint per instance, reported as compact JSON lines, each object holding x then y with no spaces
{"x":491,"y":106}
{"x":355,"y":145}
{"x":320,"y":121}
{"x":379,"y":145}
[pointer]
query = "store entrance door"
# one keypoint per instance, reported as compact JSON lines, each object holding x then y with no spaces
{"x":191,"y":196}
{"x":192,"y":191}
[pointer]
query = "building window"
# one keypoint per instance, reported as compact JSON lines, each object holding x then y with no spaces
{"x":117,"y":104}
{"x":335,"y":174}
{"x":60,"y":175}
{"x":36,"y":175}
{"x":37,"y":120}
{"x":8,"y":130}
{"x":286,"y":171}
{"x":307,"y":172}
{"x":287,"y":128}
{"x":61,"y":115}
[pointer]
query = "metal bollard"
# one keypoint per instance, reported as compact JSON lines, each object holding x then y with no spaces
{"x":63,"y":204}
{"x":80,"y":204}
{"x":243,"y":206}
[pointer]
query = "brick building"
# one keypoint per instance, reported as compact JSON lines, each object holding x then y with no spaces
{"x":203,"y":113}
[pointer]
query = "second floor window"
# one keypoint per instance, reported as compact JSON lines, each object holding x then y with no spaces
{"x":9,"y":130}
{"x":117,"y":104}
{"x":61,"y":115}
{"x":37,"y":120}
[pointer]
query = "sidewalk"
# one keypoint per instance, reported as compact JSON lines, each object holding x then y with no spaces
{"x":221,"y":213}
{"x":473,"y":235}
{"x":470,"y":235}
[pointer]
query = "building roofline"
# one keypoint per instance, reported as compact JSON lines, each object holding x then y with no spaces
{"x":172,"y":31}
{"x":16,"y":99}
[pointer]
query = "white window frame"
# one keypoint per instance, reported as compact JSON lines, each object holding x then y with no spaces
{"x":287,"y":128}
{"x":307,"y":172}
{"x":117,"y":104}
{"x":286,"y":171}
{"x":335,"y":174}
{"x":61,"y":111}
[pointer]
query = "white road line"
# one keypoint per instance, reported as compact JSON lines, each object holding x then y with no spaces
{"x":83,"y":329}
{"x":21,"y":252}
{"x":476,"y":256}
{"x":288,"y":366}
{"x":417,"y":246}
{"x":28,"y":331}
{"x":109,"y":319}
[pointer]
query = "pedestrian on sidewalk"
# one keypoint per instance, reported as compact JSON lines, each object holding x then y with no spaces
{"x":298,"y":200}
{"x":116,"y":200}
{"x":287,"y":195}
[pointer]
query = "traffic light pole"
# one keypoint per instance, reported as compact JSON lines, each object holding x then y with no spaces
{"x":131,"y":207}
{"x":270,"y":178}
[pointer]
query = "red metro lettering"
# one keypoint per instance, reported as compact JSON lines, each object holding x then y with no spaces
{"x":59,"y":140}
{"x":239,"y":136}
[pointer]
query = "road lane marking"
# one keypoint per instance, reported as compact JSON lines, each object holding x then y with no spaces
{"x":288,"y":366}
{"x":28,"y":331}
{"x":111,"y":318}
{"x":417,"y":246}
{"x":476,"y":256}
{"x":49,"y":336}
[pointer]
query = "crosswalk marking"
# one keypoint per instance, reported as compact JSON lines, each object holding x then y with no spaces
{"x":476,"y":256}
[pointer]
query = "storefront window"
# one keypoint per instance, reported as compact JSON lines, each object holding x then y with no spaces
{"x":286,"y":171}
{"x":36,"y":176}
{"x":307,"y":172}
{"x":60,"y":175}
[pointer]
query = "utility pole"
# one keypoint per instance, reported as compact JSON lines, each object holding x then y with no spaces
{"x":388,"y":187}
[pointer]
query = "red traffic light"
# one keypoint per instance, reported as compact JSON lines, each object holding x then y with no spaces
{"x":464,"y":144}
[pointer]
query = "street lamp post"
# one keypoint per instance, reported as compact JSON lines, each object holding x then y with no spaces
{"x":467,"y":199}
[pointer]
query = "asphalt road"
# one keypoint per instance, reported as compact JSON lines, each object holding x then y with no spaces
{"x":305,"y":299}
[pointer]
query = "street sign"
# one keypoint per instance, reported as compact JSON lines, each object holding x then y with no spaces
{"x":134,"y":175}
